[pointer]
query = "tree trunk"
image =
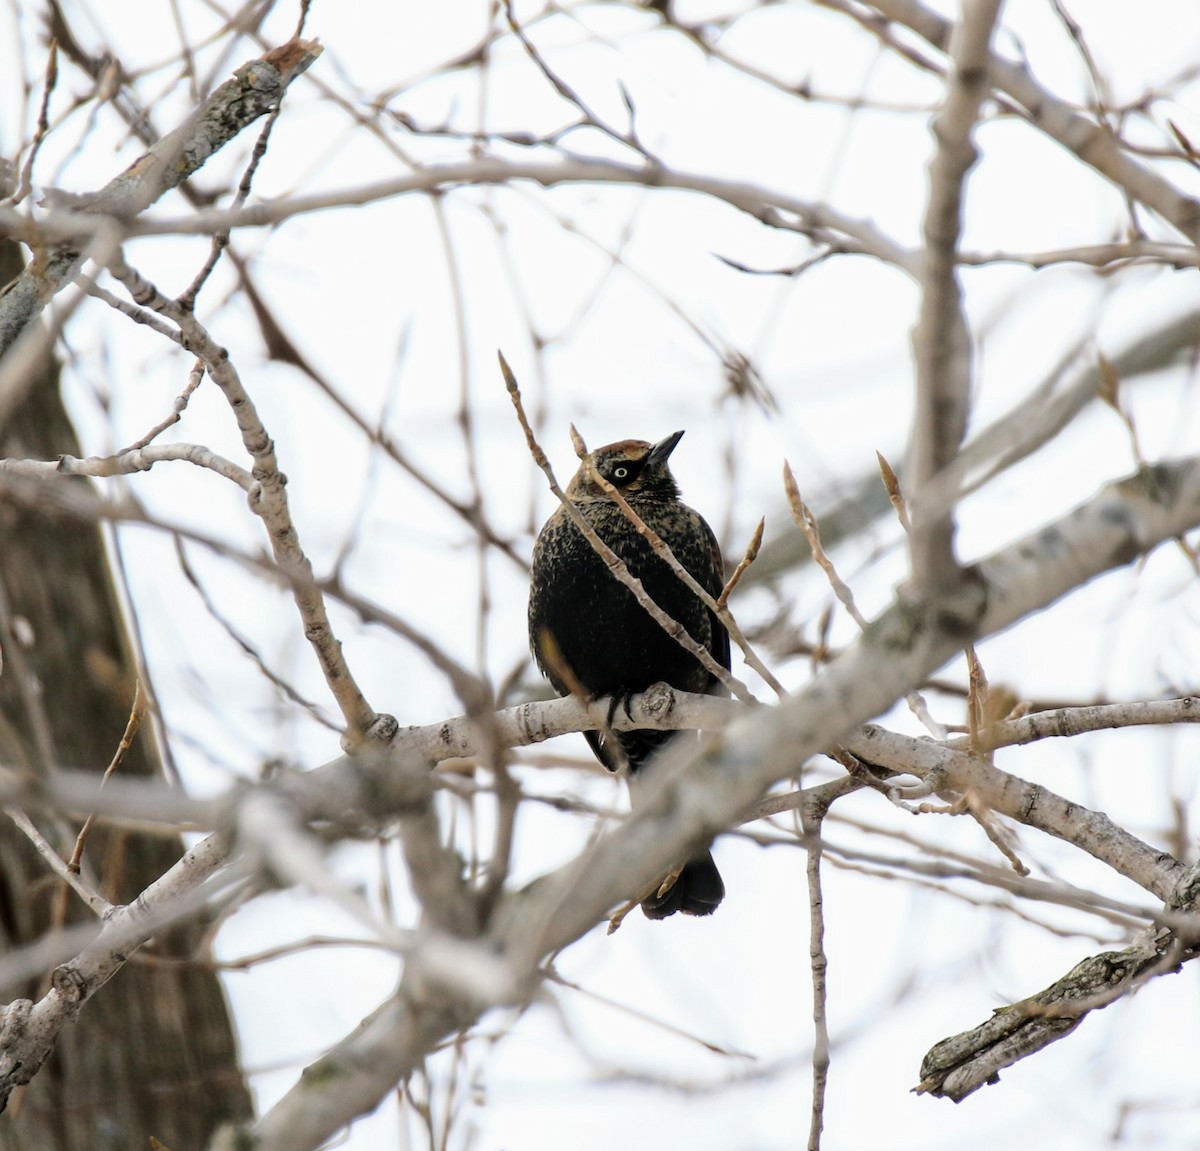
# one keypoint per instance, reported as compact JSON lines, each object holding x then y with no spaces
{"x":153,"y":1053}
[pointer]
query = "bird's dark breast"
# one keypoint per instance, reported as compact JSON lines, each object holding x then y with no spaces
{"x":588,"y":631}
{"x":610,"y":643}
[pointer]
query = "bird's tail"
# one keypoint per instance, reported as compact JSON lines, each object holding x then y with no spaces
{"x":698,"y":888}
{"x":697,"y":891}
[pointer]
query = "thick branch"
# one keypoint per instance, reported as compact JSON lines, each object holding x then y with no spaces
{"x":129,"y":462}
{"x":660,"y":707}
{"x":29,"y":1031}
{"x":699,"y":793}
{"x":953,"y":772}
{"x":1051,"y":407}
{"x":960,"y":1065}
{"x":1068,"y":721}
{"x":361,"y":792}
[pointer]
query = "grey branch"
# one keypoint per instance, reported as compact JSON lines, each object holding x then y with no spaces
{"x":700,"y":792}
{"x":456,"y":967}
{"x":359,"y":793}
{"x":941,"y":342}
{"x":28,"y":1031}
{"x":256,"y":88}
{"x":660,"y":707}
{"x":952,"y":773}
{"x":775,"y":208}
{"x":960,"y":1065}
{"x":129,"y":462}
{"x":1068,"y":721}
{"x":1094,"y":143}
{"x":1052,"y":406}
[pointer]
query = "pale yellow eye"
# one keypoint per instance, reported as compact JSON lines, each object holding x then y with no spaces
{"x":620,"y":473}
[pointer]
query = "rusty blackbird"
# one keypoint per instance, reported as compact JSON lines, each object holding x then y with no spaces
{"x":586,"y":626}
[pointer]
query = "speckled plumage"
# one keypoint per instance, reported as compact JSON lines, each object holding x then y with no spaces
{"x":584,"y":622}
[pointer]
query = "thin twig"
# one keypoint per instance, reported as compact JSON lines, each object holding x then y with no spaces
{"x":891,"y":483}
{"x":220,"y":240}
{"x":977,"y":691}
{"x":75,"y":863}
{"x":195,"y":377}
{"x":970,"y":804}
{"x":133,"y":312}
{"x":43,"y":123}
{"x":189,"y":573}
{"x":268,"y":500}
{"x":812,"y":814}
{"x":1110,"y":393}
{"x":807,"y":523}
{"x":629,"y":138}
{"x":551,"y":974}
{"x":93,"y":899}
{"x":750,"y":555}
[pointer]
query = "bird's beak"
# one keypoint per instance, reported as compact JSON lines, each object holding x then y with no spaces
{"x":662,"y":449}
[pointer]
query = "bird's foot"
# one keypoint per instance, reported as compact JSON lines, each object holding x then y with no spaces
{"x":655,"y":894}
{"x":620,"y":699}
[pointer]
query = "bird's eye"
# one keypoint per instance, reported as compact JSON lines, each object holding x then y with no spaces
{"x":620,"y":473}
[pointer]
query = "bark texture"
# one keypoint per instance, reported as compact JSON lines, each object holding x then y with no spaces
{"x":154,"y":1053}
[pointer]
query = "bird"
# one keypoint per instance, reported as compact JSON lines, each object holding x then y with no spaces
{"x":588,"y":633}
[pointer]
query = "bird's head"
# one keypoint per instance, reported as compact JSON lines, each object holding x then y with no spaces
{"x":631,"y":466}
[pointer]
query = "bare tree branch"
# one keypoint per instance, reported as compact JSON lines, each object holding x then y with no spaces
{"x":954,"y":773}
{"x":256,"y":88}
{"x":941,"y":342}
{"x":772,"y":207}
{"x":1093,"y":143}
{"x":960,"y":1065}
{"x":686,"y":806}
